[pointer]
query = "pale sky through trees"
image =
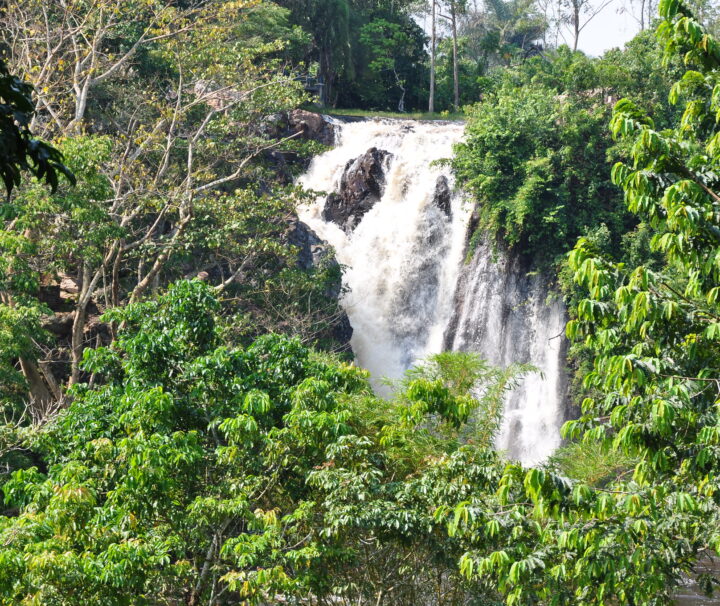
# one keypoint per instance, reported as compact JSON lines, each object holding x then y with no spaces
{"x":612,"y":27}
{"x":607,"y":30}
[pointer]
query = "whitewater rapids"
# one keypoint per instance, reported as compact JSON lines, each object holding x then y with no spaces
{"x":409,"y":293}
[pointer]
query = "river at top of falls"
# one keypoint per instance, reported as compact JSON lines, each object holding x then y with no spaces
{"x":408,"y":293}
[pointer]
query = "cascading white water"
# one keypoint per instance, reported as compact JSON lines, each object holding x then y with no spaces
{"x":509,"y":316}
{"x":408,"y":293}
{"x":402,"y":261}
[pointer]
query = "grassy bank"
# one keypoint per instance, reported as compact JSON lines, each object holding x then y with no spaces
{"x":363,"y":113}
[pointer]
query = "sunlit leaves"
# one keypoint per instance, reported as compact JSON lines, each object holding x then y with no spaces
{"x":272,"y":466}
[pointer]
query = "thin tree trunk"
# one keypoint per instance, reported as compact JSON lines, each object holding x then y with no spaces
{"x":78,"y":327}
{"x":78,"y":333}
{"x":456,"y":77}
{"x":431,"y":104}
{"x":115,"y":298}
{"x":576,"y":24}
{"x":642,"y":15}
{"x":40,"y":395}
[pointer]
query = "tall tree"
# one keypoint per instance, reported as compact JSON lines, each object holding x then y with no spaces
{"x":578,"y":13}
{"x":456,"y":75}
{"x":454,"y":8}
{"x":329,"y":24}
{"x":496,"y":33}
{"x":433,"y":45}
{"x":389,"y":43}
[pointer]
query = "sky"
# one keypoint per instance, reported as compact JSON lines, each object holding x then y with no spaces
{"x":610,"y":28}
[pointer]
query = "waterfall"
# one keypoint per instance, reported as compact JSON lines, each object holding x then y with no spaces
{"x":507,"y":314}
{"x":408,"y":293}
{"x":402,"y":260}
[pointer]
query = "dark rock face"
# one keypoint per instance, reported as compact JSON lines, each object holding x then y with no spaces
{"x":274,"y":126}
{"x":311,"y":249}
{"x":361,"y":186}
{"x":312,"y":126}
{"x":342,"y":332}
{"x":443,"y":196}
{"x":314,"y":253}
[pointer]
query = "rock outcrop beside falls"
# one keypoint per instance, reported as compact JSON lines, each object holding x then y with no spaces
{"x":312,"y":126}
{"x":300,"y":124}
{"x":305,"y":124}
{"x":361,"y":186}
{"x":313,"y":253}
{"x":442,"y":198}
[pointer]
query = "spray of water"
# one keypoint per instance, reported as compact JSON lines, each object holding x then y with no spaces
{"x":402,"y":261}
{"x":409,"y":294}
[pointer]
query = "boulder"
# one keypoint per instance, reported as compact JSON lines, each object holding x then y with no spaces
{"x":442,"y":198}
{"x":342,"y":332}
{"x":312,"y":126}
{"x":314,"y":253}
{"x":273,"y":126}
{"x":361,"y":186}
{"x":69,"y":288}
{"x":311,"y":249}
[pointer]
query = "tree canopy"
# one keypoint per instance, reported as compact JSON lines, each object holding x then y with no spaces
{"x":181,"y":419}
{"x":20,"y":151}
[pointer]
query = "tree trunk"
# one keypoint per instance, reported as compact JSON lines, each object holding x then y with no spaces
{"x":431,"y":104}
{"x":642,"y":15}
{"x":576,"y":24}
{"x":40,"y":395}
{"x":456,"y":77}
{"x":78,"y":342}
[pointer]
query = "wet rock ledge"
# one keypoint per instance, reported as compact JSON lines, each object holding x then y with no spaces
{"x":361,"y":187}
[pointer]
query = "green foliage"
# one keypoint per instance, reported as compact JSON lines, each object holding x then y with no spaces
{"x":591,"y":464}
{"x":537,"y":154}
{"x":533,"y":160}
{"x":196,"y":470}
{"x":20,"y":151}
{"x":389,"y":64}
{"x":66,"y":227}
{"x":462,"y":389}
{"x":631,"y":537}
{"x":387,"y":41}
{"x":21,"y":334}
{"x":185,"y":458}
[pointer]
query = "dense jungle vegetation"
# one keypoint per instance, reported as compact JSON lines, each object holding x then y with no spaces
{"x":181,"y":422}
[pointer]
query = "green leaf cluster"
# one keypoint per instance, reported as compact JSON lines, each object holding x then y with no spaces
{"x":197,"y":471}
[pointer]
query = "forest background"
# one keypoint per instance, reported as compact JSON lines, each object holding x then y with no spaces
{"x":181,"y":423}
